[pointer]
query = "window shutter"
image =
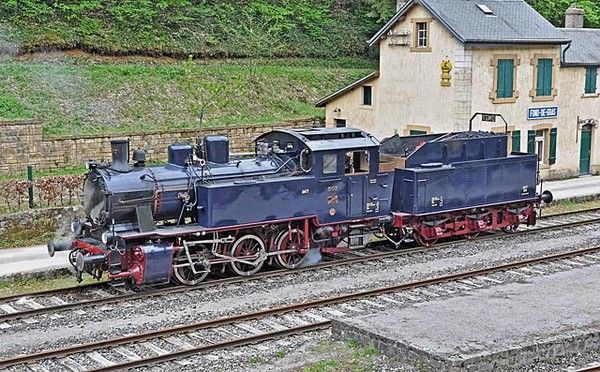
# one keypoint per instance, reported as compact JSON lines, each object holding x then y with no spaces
{"x":531,"y":141}
{"x":552,"y":158}
{"x":590,"y":79}
{"x":544,"y":77}
{"x":516,"y":141}
{"x":506,"y":71}
{"x":501,"y":93}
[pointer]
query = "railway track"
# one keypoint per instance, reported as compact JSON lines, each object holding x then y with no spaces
{"x":52,"y":302}
{"x":175,"y":343}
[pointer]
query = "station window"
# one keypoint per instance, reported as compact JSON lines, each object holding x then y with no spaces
{"x":422,"y":35}
{"x":421,"y":40}
{"x":367,"y":95}
{"x":544,"y":77}
{"x":339,"y":123}
{"x":544,"y":86}
{"x":506,"y":73}
{"x":357,"y":162}
{"x":591,"y":74}
{"x":543,"y":143}
{"x":329,"y":163}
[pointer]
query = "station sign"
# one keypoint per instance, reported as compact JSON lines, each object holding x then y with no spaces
{"x":549,"y":112}
{"x":488,"y":117}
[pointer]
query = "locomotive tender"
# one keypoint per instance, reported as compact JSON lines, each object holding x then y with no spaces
{"x":321,"y":188}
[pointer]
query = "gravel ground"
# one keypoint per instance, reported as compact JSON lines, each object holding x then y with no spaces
{"x":140,"y":316}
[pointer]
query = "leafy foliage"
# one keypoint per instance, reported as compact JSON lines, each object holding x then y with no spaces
{"x":554,"y":10}
{"x":204,"y":28}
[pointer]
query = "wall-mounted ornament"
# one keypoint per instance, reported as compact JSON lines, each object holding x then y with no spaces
{"x":398,"y":38}
{"x":446,"y":67}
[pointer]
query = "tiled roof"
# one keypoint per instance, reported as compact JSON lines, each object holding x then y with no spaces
{"x":511,"y":22}
{"x":585,"y":47}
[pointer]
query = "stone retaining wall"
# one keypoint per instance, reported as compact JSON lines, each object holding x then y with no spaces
{"x":429,"y":360}
{"x":22,"y":143}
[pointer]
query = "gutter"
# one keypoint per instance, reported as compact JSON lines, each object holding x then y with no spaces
{"x":562,"y":56}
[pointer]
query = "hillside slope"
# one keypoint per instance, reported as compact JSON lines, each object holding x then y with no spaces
{"x":204,"y":28}
{"x":76,"y":95}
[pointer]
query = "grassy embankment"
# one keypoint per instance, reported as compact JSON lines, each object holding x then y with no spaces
{"x":91,"y":95}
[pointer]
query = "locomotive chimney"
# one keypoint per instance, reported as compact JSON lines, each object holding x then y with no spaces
{"x":120,"y":154}
{"x":574,"y":17}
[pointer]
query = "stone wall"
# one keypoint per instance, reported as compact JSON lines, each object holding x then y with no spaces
{"x":430,"y":360}
{"x":22,"y":143}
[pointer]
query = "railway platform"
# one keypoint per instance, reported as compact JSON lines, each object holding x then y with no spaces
{"x":499,"y":327}
{"x":32,"y":261}
{"x":579,"y":188}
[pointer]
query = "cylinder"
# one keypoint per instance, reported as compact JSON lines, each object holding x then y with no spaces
{"x":54,"y":247}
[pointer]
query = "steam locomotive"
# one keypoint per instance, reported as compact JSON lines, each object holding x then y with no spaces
{"x":328,"y":189}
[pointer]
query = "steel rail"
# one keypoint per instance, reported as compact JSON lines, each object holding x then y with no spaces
{"x":592,"y":368}
{"x":274,"y":273}
{"x":287,"y":309}
{"x":218,"y":346}
{"x":50,"y":292}
{"x":46,"y":292}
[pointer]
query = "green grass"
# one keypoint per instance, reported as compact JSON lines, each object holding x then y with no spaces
{"x":40,"y":231}
{"x":564,"y":206}
{"x":71,"y":171}
{"x":216,"y":28}
{"x":78,"y":96}
{"x":339,"y":356}
{"x":29,"y":285}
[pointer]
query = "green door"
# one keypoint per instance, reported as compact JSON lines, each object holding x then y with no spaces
{"x":586,"y":150}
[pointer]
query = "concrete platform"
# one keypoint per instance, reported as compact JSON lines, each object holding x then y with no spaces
{"x":574,"y":188}
{"x":31,"y":261}
{"x":498,"y":328}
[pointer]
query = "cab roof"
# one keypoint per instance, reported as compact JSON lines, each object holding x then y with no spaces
{"x":327,"y":139}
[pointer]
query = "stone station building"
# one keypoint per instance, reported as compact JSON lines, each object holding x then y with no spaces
{"x":443,"y":60}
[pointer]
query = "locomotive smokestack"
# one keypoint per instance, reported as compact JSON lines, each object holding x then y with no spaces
{"x":120,"y":154}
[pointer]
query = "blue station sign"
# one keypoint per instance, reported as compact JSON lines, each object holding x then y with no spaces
{"x":549,"y":112}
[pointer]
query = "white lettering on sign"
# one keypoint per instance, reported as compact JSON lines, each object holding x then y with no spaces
{"x":534,"y":113}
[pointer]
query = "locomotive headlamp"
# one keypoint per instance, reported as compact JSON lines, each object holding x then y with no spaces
{"x":91,"y":164}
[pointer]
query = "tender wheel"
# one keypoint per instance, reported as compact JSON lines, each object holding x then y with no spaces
{"x":251,"y":249}
{"x":290,"y":240}
{"x":422,"y":242}
{"x":511,"y":228}
{"x":184,"y":274}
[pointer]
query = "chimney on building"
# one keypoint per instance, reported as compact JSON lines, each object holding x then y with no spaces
{"x":573,"y":17}
{"x":400,"y":4}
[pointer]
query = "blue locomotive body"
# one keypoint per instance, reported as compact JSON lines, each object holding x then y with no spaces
{"x":454,"y":171}
{"x":325,"y":189}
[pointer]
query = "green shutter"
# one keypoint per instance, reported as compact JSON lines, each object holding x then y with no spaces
{"x":506,"y":71}
{"x":544,"y":77}
{"x":552,"y":158}
{"x":516,"y":141}
{"x":531,"y":141}
{"x":590,"y":79}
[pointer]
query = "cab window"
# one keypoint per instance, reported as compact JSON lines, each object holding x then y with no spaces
{"x":357,"y":162}
{"x":329,"y":163}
